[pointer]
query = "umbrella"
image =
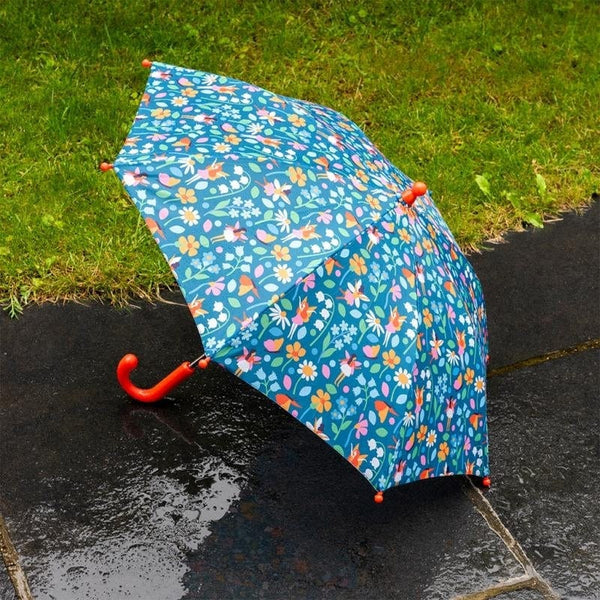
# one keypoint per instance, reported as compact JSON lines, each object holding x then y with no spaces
{"x":315,"y":271}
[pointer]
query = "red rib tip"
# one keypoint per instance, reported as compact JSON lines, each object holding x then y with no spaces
{"x":419,"y":188}
{"x":106,"y":166}
{"x":487,"y":482}
{"x":378,"y":497}
{"x":408,"y":196}
{"x":146,"y":63}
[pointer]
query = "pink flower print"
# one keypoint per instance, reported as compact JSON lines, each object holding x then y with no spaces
{"x":309,"y":282}
{"x":325,"y":217}
{"x":395,"y":291}
{"x":451,"y":313}
{"x":215,"y":287}
{"x":361,"y":426}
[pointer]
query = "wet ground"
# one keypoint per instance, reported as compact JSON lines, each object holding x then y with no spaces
{"x":216,"y":493}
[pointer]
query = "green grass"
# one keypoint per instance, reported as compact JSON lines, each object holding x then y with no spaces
{"x":505,"y":92}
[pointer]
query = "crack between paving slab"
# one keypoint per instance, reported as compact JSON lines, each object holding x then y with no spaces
{"x":536,"y":360}
{"x":532,"y":579}
{"x":11,"y":560}
{"x":510,"y":585}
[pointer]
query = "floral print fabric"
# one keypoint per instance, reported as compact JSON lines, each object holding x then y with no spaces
{"x":309,"y":277}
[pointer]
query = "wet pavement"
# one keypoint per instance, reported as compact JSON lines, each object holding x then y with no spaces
{"x":213,"y":494}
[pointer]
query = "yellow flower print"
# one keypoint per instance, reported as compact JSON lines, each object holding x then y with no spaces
{"x":297,"y":175}
{"x":428,"y":245}
{"x":404,"y":236}
{"x":189,"y":92}
{"x":232,"y":139}
{"x":188,"y":245}
{"x":296,"y":120}
{"x":295,"y":351}
{"x":186,"y":195}
{"x":161,"y":113}
{"x":321,"y":401}
{"x":390,"y":359}
{"x":373,"y":202}
{"x":358,"y":264}
{"x":281,"y":253}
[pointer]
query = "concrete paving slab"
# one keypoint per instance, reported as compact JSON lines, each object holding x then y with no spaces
{"x":7,"y":591}
{"x":542,"y":288}
{"x":213,"y":494}
{"x":544,"y":449}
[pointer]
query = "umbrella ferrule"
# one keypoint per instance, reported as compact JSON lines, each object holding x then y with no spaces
{"x":201,"y":362}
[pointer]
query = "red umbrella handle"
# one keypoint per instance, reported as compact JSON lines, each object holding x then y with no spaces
{"x":130,"y":361}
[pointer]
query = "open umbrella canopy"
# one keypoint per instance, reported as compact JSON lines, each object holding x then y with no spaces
{"x":316,"y":271}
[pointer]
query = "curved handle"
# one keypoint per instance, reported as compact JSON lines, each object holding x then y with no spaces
{"x":130,"y":361}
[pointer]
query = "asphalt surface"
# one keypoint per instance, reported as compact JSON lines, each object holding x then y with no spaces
{"x":216,"y":493}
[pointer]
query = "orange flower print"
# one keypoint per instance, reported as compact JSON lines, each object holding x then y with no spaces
{"x":297,"y":176}
{"x":186,"y":195}
{"x":188,"y":245}
{"x":296,"y":120}
{"x":422,"y":433}
{"x":428,"y":245}
{"x":295,"y":351}
{"x":373,"y":202}
{"x":443,"y":451}
{"x":469,"y":376}
{"x":281,"y":253}
{"x":390,"y":359}
{"x":358,"y":264}
{"x":405,"y":236}
{"x":427,"y":317}
{"x":161,"y":113}
{"x":321,"y":401}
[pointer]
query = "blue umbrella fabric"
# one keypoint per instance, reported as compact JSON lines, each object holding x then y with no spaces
{"x":316,"y":271}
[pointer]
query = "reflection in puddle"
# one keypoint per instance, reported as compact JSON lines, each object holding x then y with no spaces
{"x":135,"y":535}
